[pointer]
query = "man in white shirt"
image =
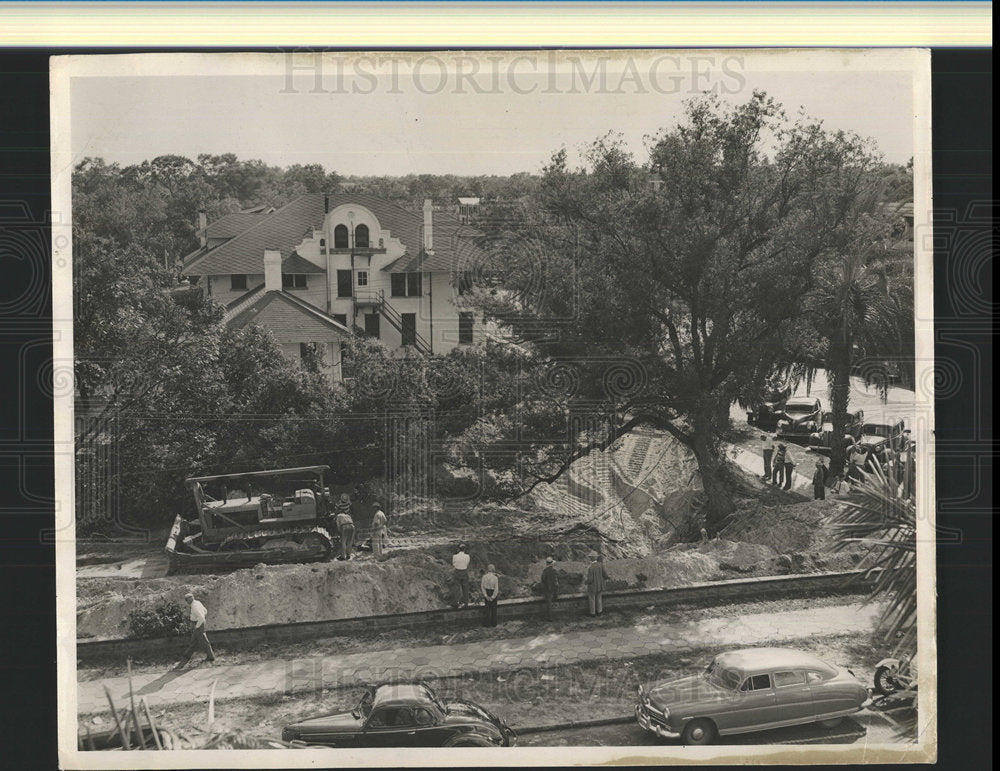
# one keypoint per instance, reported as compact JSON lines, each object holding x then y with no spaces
{"x":767,"y":447}
{"x":380,"y":529}
{"x":490,"y":586}
{"x":199,"y":640}
{"x":460,"y":562}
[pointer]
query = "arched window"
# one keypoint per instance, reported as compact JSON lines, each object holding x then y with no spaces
{"x":361,"y":236}
{"x":340,"y":240}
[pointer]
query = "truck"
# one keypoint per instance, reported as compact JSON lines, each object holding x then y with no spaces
{"x":280,"y":515}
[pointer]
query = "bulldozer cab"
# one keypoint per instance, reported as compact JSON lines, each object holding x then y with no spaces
{"x":228,"y":503}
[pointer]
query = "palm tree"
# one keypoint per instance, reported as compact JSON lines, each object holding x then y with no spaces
{"x":856,"y":315}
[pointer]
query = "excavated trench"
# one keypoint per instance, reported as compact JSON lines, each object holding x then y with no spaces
{"x":630,"y":503}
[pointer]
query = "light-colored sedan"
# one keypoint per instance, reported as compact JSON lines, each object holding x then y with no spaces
{"x":755,"y":689}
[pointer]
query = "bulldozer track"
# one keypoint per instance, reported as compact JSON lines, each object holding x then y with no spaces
{"x":269,"y":534}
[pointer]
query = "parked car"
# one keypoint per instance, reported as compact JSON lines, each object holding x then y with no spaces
{"x":404,"y":715}
{"x":802,"y":416}
{"x":876,"y":436}
{"x":754,"y":689}
{"x":896,"y":674}
{"x":770,"y":410}
{"x":822,"y":441}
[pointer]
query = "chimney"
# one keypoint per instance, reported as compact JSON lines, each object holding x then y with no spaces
{"x":203,"y":227}
{"x":272,"y":270}
{"x":428,"y":225}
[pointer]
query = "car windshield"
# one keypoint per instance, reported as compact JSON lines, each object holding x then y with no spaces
{"x":433,"y":697}
{"x":364,"y":708}
{"x":875,"y":429}
{"x":799,"y":409}
{"x":722,"y":677}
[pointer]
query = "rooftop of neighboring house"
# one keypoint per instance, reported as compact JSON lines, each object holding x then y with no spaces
{"x":248,"y":233}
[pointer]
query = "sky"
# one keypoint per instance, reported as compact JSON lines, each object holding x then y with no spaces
{"x":399,"y":113}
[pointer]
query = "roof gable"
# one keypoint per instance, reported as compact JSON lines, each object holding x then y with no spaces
{"x":289,"y":319}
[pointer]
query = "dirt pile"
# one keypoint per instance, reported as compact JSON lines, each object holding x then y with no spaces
{"x":272,"y":594}
{"x":666,"y":571}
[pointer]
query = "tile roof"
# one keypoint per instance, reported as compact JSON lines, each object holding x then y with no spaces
{"x":289,"y":319}
{"x":455,"y":249}
{"x":296,"y":263}
{"x":231,"y":225}
{"x":285,"y":229}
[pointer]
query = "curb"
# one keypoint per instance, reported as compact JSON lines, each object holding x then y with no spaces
{"x":574,"y":724}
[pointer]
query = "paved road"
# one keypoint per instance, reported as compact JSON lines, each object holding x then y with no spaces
{"x":306,"y":674}
{"x":865,"y":727}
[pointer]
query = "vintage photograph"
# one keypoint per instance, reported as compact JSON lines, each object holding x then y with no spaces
{"x":531,"y":402}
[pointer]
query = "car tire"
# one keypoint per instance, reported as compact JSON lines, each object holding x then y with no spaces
{"x":885,"y":683}
{"x":699,"y":732}
{"x":471,"y":741}
{"x":832,"y":722}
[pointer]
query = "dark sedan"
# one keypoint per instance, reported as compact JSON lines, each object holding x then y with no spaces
{"x":802,"y":418}
{"x":766,"y":416}
{"x":822,"y":441}
{"x":404,"y":715}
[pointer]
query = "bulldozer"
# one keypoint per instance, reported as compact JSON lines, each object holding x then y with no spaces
{"x":274,"y":516}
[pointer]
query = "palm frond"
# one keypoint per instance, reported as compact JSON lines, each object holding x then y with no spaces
{"x":882,"y":518}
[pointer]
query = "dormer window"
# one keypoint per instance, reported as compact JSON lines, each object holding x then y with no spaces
{"x":361,"y":236}
{"x":293,"y":281}
{"x":237,"y":282}
{"x":341,"y":237}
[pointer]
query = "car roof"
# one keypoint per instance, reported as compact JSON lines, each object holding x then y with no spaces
{"x":401,"y":694}
{"x":751,"y":660}
{"x":810,"y":400}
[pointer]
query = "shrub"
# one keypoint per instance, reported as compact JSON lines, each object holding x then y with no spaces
{"x":165,"y":620}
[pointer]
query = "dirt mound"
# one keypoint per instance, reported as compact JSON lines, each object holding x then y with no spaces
{"x":273,"y":594}
{"x":785,"y":528}
{"x":666,"y":571}
{"x":736,"y":556}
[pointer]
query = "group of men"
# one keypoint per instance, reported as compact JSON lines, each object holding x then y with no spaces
{"x":489,"y":584}
{"x":344,"y":520}
{"x":779,"y":466}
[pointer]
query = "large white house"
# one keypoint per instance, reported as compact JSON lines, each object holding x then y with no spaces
{"x":325,"y":267}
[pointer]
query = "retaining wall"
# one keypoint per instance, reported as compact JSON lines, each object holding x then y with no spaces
{"x":705,"y":594}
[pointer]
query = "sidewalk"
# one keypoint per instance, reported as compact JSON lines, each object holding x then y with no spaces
{"x":286,"y":676}
{"x":753,"y":463}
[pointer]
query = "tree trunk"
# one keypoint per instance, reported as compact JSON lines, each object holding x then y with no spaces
{"x":839,"y":362}
{"x":719,"y":502}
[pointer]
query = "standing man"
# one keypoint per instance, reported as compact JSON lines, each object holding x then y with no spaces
{"x":380,"y":529}
{"x":819,"y":481}
{"x":490,"y":587}
{"x":199,"y":640}
{"x":460,"y":563}
{"x":550,"y":586}
{"x":856,"y":457}
{"x":345,"y":525}
{"x":767,"y":447}
{"x":789,"y":465}
{"x":779,"y":464}
{"x":596,"y":576}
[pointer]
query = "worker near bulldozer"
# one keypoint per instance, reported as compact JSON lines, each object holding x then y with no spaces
{"x":199,"y":640}
{"x":380,"y":529}
{"x":345,"y":525}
